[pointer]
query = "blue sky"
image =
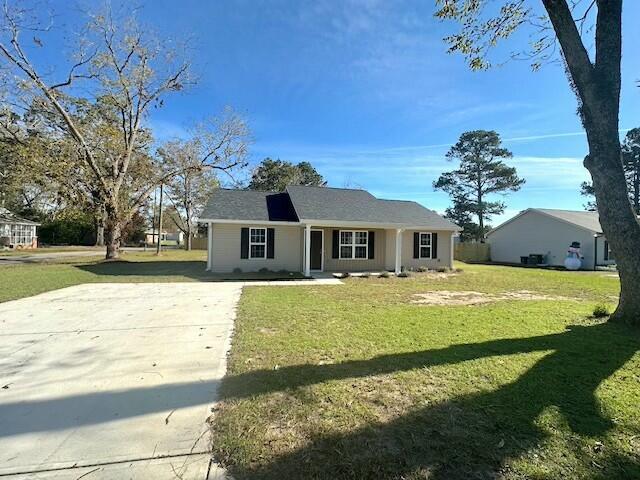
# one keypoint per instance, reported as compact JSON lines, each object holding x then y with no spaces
{"x":365,"y":91}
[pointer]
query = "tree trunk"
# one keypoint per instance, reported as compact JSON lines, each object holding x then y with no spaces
{"x":189,"y":235}
{"x":618,"y":222}
{"x":598,"y":88}
{"x":189,"y":225}
{"x":112,"y":232}
{"x":100,"y":221}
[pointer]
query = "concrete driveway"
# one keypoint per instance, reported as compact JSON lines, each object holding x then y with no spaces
{"x":112,"y":380}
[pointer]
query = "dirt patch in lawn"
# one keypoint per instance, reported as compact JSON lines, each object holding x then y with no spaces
{"x":445,"y":297}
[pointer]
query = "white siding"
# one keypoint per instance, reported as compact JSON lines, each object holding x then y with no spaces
{"x":225,"y":250}
{"x":535,"y":232}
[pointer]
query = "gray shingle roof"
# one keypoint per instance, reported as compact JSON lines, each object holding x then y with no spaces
{"x":249,"y":205}
{"x":8,"y":217}
{"x":320,"y":203}
{"x":341,"y":204}
{"x":580,"y":218}
{"x":588,"y":220}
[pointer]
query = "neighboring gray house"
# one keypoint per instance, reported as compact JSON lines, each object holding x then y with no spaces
{"x":307,"y":229}
{"x":549,"y":233}
{"x":16,"y":232}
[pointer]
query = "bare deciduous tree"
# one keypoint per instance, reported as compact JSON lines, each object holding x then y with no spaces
{"x":218,"y":145}
{"x":125,"y":73}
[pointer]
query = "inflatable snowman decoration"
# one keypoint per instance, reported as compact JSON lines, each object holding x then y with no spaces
{"x":574,"y":259}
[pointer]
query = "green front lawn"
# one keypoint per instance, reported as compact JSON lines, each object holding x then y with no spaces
{"x":17,"y":281}
{"x":357,"y":381}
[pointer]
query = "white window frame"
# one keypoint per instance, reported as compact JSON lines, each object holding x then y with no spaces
{"x":353,"y":245}
{"x":421,"y":246}
{"x":251,"y":229}
{"x":21,"y":234}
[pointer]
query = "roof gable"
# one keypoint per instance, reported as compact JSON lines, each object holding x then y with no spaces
{"x":587,"y":220}
{"x":8,"y":217}
{"x":227,"y":204}
{"x":349,"y":205}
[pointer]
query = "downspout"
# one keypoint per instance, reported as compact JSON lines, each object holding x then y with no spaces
{"x":595,"y":251}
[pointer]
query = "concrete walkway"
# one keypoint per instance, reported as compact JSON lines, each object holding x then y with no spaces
{"x":104,"y":381}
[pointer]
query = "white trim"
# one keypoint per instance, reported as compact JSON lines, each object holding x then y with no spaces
{"x":353,"y":245}
{"x":248,"y":222}
{"x":420,"y":246}
{"x":16,"y":222}
{"x":321,"y":250}
{"x":372,"y":225}
{"x":333,"y":223}
{"x":307,"y":250}
{"x":451,"y":252}
{"x":398,"y":266}
{"x":209,"y":246}
{"x":251,"y":243}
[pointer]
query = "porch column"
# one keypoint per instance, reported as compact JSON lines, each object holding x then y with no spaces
{"x":307,"y":250}
{"x":453,"y":246}
{"x":398,"y":251}
{"x":209,"y":246}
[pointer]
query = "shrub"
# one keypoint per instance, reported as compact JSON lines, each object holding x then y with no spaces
{"x":442,"y":269}
{"x":365,"y":275}
{"x":237,"y":270}
{"x":384,"y":274}
{"x":283,"y":271}
{"x":601,"y":310}
{"x":5,"y":241}
{"x":345,"y":275}
{"x":264,"y":270}
{"x":422,"y":269}
{"x":404,"y":274}
{"x":72,"y":230}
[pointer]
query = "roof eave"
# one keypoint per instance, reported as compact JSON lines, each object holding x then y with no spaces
{"x":382,"y":225}
{"x":246,"y":221}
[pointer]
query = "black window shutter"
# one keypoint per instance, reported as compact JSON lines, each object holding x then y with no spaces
{"x":372,"y":245}
{"x":336,"y":246}
{"x":606,"y":250}
{"x":271,"y":238}
{"x":434,"y":245}
{"x":416,"y":245}
{"x":244,"y":243}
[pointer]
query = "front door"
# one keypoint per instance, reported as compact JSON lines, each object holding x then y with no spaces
{"x":316,"y":250}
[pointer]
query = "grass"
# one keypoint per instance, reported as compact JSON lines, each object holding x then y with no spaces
{"x":18,"y":281}
{"x":356,"y":381}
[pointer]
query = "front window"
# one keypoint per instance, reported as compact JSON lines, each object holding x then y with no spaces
{"x":354,"y":244}
{"x":425,"y":245}
{"x":21,"y":234}
{"x":257,"y":243}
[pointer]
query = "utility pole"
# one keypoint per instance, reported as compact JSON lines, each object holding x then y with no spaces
{"x":159,"y":244}
{"x":153,"y":217}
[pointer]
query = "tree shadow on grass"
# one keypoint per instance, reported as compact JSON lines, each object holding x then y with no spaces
{"x":122,"y":268}
{"x":472,"y":435}
{"x":195,"y":270}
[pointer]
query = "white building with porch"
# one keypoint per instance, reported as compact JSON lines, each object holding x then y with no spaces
{"x":17,"y":232}
{"x":321,"y":229}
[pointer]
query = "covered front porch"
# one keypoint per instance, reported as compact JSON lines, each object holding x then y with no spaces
{"x":369,"y":248}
